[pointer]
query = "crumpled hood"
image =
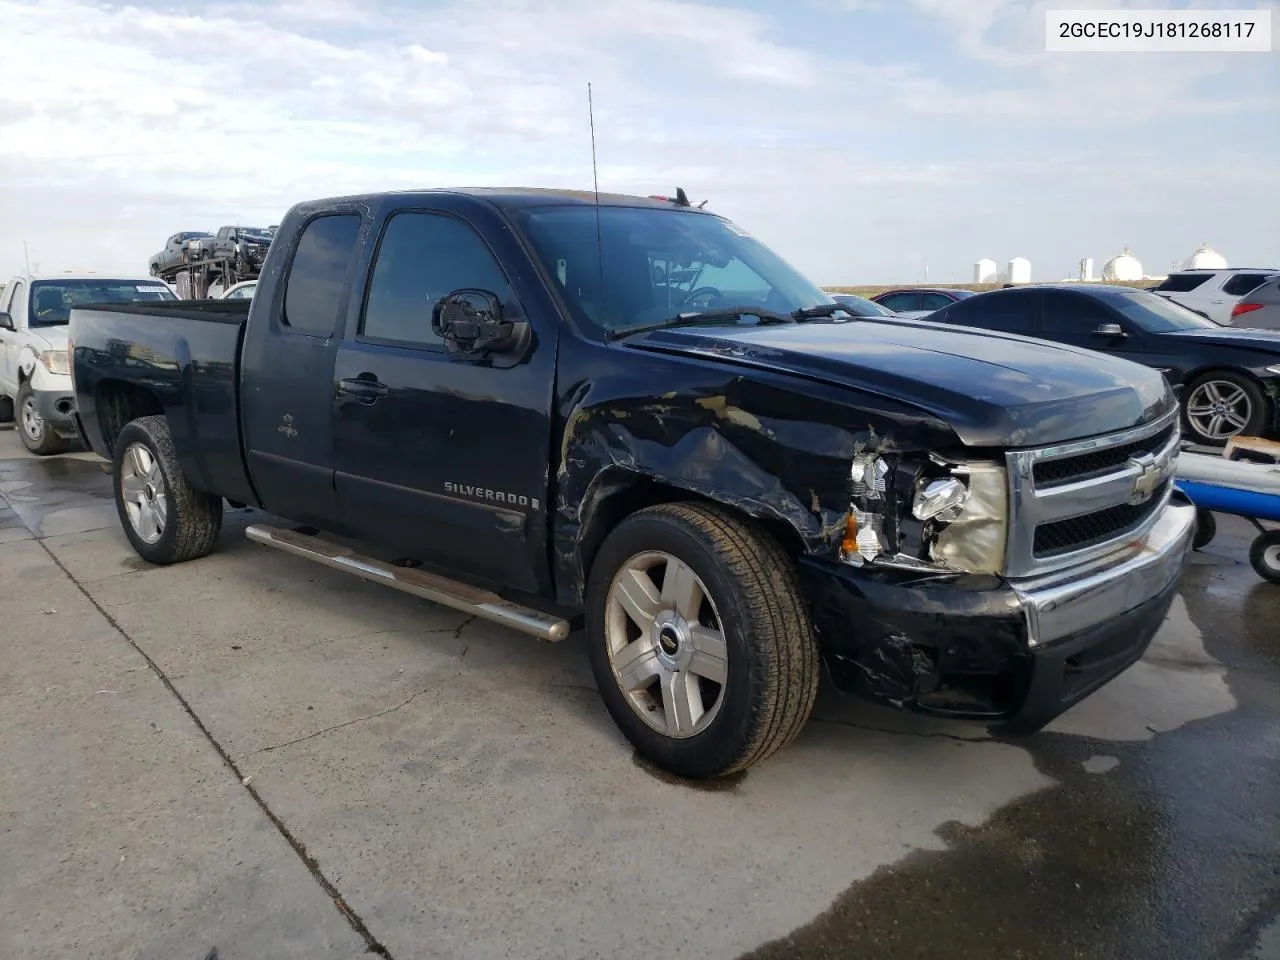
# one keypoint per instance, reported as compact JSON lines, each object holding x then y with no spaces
{"x":995,"y":390}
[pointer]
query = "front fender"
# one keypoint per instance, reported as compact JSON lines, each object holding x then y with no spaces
{"x":762,"y":451}
{"x":31,"y":369}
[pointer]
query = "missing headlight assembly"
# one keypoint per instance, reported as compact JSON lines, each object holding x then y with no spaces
{"x":928,"y":512}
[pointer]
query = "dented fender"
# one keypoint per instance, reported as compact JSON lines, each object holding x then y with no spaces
{"x":758,"y":442}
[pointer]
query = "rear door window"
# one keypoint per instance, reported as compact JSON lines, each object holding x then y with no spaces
{"x":1244,"y":283}
{"x":899,"y":302}
{"x":1013,"y":312}
{"x":1182,"y":282}
{"x":317,"y":276}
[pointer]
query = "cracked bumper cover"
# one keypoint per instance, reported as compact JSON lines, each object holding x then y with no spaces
{"x":58,"y":408}
{"x":1015,"y":653}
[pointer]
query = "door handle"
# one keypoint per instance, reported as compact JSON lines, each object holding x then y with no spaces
{"x":363,"y":389}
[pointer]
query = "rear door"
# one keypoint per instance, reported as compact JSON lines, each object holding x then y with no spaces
{"x":1008,"y":311}
{"x":1191,"y":290}
{"x":287,"y":374}
{"x":904,"y":301}
{"x":440,"y":457}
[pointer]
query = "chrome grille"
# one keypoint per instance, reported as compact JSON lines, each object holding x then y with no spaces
{"x":1076,"y":533}
{"x":1077,"y":501}
{"x":1069,"y":469}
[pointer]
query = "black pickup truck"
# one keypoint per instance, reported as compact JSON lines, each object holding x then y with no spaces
{"x":554,"y":410}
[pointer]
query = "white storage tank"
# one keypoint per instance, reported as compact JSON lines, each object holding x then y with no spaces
{"x":1205,"y":258}
{"x":1019,"y":270}
{"x":1125,"y":267}
{"x":1086,"y":268}
{"x":984,"y":271}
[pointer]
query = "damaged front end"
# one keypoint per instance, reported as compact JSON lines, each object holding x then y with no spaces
{"x":916,"y":613}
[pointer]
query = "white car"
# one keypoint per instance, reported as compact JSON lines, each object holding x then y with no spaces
{"x":239,"y":291}
{"x":1212,"y":293}
{"x":35,"y":371}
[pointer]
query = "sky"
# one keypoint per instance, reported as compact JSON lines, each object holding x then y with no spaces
{"x":867,"y":141}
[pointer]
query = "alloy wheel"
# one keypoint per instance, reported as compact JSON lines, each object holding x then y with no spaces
{"x":1219,"y":409}
{"x":32,"y":422}
{"x":142,"y":487}
{"x":666,"y":644}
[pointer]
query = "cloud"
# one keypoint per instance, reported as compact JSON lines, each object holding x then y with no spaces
{"x":134,"y":121}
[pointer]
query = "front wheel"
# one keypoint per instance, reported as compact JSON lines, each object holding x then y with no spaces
{"x":37,"y":435}
{"x":1265,"y":556}
{"x":165,"y":518}
{"x":1222,"y":405}
{"x":699,"y":640}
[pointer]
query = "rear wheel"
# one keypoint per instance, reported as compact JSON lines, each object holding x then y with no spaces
{"x":165,"y":518}
{"x":1265,"y":556}
{"x":1224,"y":404}
{"x":37,"y":436}
{"x":699,"y":640}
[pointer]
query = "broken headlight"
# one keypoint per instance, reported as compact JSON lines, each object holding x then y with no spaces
{"x":912,"y":511}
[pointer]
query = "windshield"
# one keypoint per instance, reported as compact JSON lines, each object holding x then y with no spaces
{"x":1155,"y":314}
{"x":52,"y":300}
{"x":257,"y":233}
{"x":658,"y":263}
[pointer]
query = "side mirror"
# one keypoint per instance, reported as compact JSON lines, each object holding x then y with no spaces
{"x":470,"y":321}
{"x":6,"y":321}
{"x":1112,"y":330}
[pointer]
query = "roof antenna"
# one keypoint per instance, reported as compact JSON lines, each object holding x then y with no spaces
{"x":595,"y":187}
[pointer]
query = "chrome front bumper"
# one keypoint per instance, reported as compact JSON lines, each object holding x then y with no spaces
{"x":1070,"y":602}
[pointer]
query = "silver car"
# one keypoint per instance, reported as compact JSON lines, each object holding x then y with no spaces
{"x":1259,"y":309}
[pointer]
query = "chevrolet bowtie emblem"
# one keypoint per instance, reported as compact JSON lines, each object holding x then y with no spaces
{"x":1151,"y":474}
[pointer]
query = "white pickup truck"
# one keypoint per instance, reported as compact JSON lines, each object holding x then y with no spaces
{"x":35,"y":372}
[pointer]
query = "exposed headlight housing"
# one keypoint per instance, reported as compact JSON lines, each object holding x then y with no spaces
{"x":927,"y":513}
{"x":943,"y":499}
{"x":976,"y":540}
{"x":56,"y":361}
{"x":1275,"y":368}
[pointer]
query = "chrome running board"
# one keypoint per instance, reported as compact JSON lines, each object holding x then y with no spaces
{"x":448,"y":593}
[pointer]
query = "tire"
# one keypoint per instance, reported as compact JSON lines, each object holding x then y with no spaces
{"x":740,"y":580}
{"x":184,"y":523}
{"x":1212,"y":397}
{"x":1265,"y":556}
{"x":37,"y":436}
{"x":1206,"y":529}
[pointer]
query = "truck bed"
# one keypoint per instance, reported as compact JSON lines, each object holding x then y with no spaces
{"x":185,"y":357}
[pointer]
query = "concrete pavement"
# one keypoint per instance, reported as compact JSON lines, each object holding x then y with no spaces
{"x":294,"y":762}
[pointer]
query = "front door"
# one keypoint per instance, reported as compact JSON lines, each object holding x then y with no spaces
{"x":1076,"y":319}
{"x":439,"y":457}
{"x":14,"y":303}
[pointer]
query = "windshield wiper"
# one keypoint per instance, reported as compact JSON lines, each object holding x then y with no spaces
{"x":707,"y":316}
{"x":820,"y":311}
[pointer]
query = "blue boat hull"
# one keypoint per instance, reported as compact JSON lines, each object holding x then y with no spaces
{"x":1242,"y":503}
